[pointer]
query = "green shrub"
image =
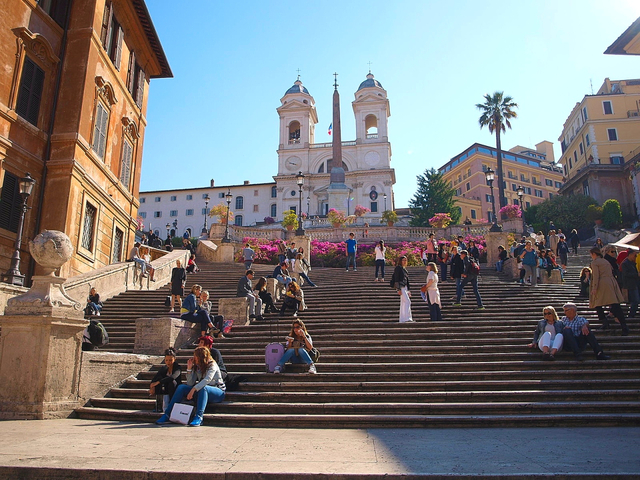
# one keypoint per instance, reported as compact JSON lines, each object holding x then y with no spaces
{"x":611,"y":214}
{"x":594,"y":212}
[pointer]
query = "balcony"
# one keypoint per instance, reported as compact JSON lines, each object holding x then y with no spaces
{"x":330,"y":144}
{"x":371,"y":135}
{"x":633,"y":113}
{"x":295,"y":141}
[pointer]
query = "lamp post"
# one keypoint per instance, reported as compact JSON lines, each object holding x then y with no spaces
{"x":13,"y":275}
{"x":520,"y":192}
{"x":490,"y":175}
{"x":228,"y":197}
{"x":206,"y":212}
{"x":300,"y":182}
{"x":385,"y":201}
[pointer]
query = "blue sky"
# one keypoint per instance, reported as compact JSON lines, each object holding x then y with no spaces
{"x":233,"y":61}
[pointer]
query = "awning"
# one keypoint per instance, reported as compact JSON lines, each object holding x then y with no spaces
{"x":631,"y":241}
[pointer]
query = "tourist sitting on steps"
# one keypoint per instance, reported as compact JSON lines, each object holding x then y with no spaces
{"x":94,"y":305}
{"x":147,"y":260}
{"x":577,"y":333}
{"x":548,"y":335}
{"x":192,"y":266}
{"x":207,"y":341}
{"x":166,"y":380}
{"x":302,"y":268}
{"x":217,"y":320}
{"x":204,"y":385}
{"x":245,"y":290}
{"x":281,"y":273}
{"x":266,"y":297}
{"x":191,"y":312}
{"x":293,"y":299}
{"x":299,"y":344}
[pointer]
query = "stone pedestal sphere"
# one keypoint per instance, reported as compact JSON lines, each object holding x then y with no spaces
{"x":51,"y":249}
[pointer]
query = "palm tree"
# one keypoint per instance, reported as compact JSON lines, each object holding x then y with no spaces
{"x":496,"y":112}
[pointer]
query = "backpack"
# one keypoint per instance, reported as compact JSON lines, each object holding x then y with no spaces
{"x":167,"y":301}
{"x":474,"y":268}
{"x":97,"y":334}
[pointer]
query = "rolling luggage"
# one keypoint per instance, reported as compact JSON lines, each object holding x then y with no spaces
{"x":274,"y":351}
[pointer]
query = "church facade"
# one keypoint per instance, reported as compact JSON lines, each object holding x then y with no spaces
{"x":366,"y":161}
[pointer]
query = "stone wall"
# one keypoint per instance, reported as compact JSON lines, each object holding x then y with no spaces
{"x":9,"y":291}
{"x":101,"y":371}
{"x":155,"y":335}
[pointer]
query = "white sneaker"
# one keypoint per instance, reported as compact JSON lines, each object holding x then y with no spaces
{"x":312,"y":369}
{"x":278,"y":369}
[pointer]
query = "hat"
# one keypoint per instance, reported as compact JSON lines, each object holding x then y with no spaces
{"x":570,"y":306}
{"x":464,"y":252}
{"x":562,"y":235}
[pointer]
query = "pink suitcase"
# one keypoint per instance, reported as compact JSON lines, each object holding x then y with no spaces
{"x":272,"y":355}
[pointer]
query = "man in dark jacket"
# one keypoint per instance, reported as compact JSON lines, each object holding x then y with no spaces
{"x":470,"y":275}
{"x":245,"y":290}
{"x":631,"y":281}
{"x":457,"y":267}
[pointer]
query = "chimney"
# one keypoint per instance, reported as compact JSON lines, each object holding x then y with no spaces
{"x":212,"y":182}
{"x":246,"y":182}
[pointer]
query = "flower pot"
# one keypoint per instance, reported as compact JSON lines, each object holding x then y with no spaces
{"x":336,"y":225}
{"x":390,"y":224}
{"x":290,"y":227}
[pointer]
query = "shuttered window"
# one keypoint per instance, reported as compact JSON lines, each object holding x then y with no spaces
{"x":30,"y":92}
{"x":125,"y":169}
{"x":57,"y":9}
{"x":10,"y":203}
{"x":112,"y":35}
{"x":89,"y":223}
{"x":117,"y":246}
{"x":100,"y":130}
{"x":139,"y":90}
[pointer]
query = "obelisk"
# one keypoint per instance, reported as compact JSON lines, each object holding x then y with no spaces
{"x":338,"y":192}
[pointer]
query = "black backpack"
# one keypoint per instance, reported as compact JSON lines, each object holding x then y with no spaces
{"x":97,"y":334}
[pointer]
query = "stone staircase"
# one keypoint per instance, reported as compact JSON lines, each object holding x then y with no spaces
{"x":472,"y":369}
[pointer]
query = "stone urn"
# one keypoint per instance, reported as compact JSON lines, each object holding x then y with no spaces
{"x":51,"y":249}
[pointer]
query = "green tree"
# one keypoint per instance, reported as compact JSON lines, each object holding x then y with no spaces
{"x":566,"y":212}
{"x":496,"y":112}
{"x":434,"y":195}
{"x":611,"y":214}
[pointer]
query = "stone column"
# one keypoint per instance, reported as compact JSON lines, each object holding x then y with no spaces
{"x":40,"y":346}
{"x":495,"y":239}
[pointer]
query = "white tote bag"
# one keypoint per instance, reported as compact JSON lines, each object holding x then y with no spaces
{"x":180,"y":413}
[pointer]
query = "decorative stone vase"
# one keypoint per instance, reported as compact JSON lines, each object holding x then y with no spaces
{"x":290,"y":227}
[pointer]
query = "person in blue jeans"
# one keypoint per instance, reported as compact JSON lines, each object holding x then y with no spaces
{"x":352,"y":247}
{"x":469,"y":276}
{"x":204,"y":382}
{"x":299,"y":344}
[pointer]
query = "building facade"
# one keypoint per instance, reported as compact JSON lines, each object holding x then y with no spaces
{"x":366,"y":161}
{"x":599,"y":138}
{"x":73,"y":97}
{"x":533,"y":169}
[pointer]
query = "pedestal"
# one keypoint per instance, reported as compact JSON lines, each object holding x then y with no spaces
{"x":494,"y":240}
{"x":39,"y":366}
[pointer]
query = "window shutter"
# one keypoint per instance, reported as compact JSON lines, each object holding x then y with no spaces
{"x":140,"y":91}
{"x":125,"y":169}
{"x":30,"y":91}
{"x":10,"y":203}
{"x":105,"y":35}
{"x":131,"y":73}
{"x":118,"y":51}
{"x":100,"y":131}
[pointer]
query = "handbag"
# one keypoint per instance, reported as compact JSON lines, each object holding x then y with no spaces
{"x":423,"y":288}
{"x":314,"y":353}
{"x":180,"y":413}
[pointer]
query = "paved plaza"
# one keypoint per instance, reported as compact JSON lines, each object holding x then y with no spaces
{"x":144,"y":449}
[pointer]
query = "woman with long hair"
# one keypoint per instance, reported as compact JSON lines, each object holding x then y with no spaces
{"x":192,"y":311}
{"x":432,"y":294}
{"x":403,"y":287}
{"x":204,"y":382}
{"x":548,"y":336}
{"x":293,"y":299}
{"x":266,"y":297}
{"x":301,"y":267}
{"x":380,"y":252}
{"x":166,"y":380}
{"x":299,"y":344}
{"x":605,"y":291}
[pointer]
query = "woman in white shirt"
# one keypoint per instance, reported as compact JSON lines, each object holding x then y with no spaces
{"x":432,"y":294}
{"x":380,"y":250}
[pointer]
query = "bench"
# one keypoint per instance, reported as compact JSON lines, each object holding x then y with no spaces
{"x":236,"y":309}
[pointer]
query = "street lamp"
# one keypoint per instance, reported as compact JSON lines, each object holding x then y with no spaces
{"x":300,"y":182}
{"x":520,"y":192}
{"x":228,"y":197}
{"x":490,"y":175}
{"x":385,"y":201}
{"x":13,"y":275}
{"x":206,"y":212}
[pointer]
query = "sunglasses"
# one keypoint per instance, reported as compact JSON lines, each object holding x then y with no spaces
{"x":547,"y":313}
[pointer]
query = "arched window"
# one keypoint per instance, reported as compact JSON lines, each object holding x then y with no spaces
{"x":239,"y":203}
{"x":274,"y":210}
{"x":294,"y":132}
{"x":371,"y":126}
{"x":238,"y":220}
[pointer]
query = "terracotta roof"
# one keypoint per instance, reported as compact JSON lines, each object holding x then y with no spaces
{"x":152,"y":37}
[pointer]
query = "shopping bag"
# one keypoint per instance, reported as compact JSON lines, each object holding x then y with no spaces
{"x":180,"y":413}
